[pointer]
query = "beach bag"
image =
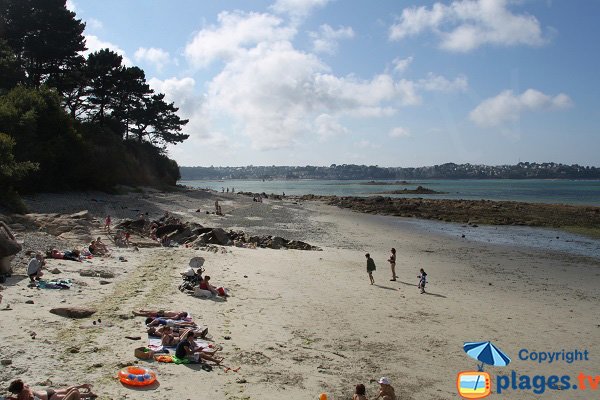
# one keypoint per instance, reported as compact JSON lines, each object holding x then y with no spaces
{"x":143,"y":352}
{"x":222,"y":292}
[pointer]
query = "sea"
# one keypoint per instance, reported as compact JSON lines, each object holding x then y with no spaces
{"x":574,"y":192}
{"x":580,"y":192}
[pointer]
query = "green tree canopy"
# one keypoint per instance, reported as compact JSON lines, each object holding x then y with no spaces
{"x":44,"y":36}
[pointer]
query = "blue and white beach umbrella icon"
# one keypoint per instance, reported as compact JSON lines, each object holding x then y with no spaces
{"x":487,"y":353}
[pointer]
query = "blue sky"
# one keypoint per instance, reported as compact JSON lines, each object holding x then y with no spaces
{"x":387,"y":82}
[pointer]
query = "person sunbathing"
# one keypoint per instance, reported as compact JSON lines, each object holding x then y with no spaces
{"x":158,"y":331}
{"x":178,"y":315}
{"x":171,"y":338}
{"x":169,"y":322}
{"x":24,"y":392}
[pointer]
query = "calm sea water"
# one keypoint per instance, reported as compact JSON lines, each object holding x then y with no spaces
{"x":531,"y":190}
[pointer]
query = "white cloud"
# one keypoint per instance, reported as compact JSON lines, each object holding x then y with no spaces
{"x":93,"y":44}
{"x":399,"y":132}
{"x":191,"y":105}
{"x":71,"y":6}
{"x":465,"y":25}
{"x":437,"y":83}
{"x":328,"y":126}
{"x":276,"y":95}
{"x":507,"y":106}
{"x":297,"y":8}
{"x":366,"y":144}
{"x":400,"y":65}
{"x":236,"y":33}
{"x":157,"y":57}
{"x":326,"y":40}
{"x":93,"y":23}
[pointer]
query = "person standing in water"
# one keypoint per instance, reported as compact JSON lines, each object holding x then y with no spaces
{"x":370,"y":267}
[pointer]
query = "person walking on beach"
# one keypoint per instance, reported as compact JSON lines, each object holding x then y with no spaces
{"x":370,"y":267}
{"x":392,"y":261}
{"x":422,"y":280}
{"x":107,"y":223}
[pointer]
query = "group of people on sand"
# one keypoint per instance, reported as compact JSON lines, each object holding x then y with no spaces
{"x":392,"y":260}
{"x":175,"y":329}
{"x":386,"y":391}
{"x":98,"y":248}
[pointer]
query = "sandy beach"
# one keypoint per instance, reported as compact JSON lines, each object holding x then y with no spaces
{"x":300,"y":323}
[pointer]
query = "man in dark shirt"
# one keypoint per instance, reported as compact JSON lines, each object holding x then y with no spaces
{"x":187,"y":349}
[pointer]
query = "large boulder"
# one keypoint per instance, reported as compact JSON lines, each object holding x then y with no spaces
{"x":221,"y":237}
{"x":73,"y":312}
{"x":277,"y":242}
{"x":167,"y":229}
{"x":8,"y":244}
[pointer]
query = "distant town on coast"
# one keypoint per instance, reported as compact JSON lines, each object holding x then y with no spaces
{"x":522,"y":170}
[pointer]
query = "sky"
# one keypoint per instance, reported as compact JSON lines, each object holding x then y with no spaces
{"x":388,"y":82}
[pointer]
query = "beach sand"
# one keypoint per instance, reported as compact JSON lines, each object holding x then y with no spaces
{"x":300,"y":323}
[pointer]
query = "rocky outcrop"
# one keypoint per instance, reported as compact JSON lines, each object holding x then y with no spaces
{"x":8,"y":244}
{"x":472,"y":211}
{"x":418,"y":190}
{"x":73,"y":312}
{"x":75,"y":226}
{"x":196,"y":235}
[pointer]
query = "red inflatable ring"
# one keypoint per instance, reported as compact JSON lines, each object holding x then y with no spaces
{"x":137,"y":376}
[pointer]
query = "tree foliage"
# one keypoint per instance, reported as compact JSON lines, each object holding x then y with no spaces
{"x":88,"y":122}
{"x":44,"y":36}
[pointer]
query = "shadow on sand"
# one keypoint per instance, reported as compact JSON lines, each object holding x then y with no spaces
{"x":428,"y":293}
{"x":384,"y":287}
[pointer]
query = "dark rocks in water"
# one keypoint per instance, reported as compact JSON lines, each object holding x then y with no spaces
{"x":73,"y":312}
{"x":418,"y":190}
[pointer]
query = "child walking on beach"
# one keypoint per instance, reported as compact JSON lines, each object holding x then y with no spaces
{"x":370,"y":267}
{"x":422,"y":280}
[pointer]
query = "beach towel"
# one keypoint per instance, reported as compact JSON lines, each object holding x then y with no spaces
{"x":55,"y":284}
{"x":155,"y":344}
{"x":172,"y":359}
